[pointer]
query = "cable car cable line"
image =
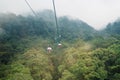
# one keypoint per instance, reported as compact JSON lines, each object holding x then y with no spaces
{"x":57,"y":34}
{"x":56,"y":23}
{"x":30,"y":8}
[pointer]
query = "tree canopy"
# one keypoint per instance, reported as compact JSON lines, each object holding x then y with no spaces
{"x":85,"y":54}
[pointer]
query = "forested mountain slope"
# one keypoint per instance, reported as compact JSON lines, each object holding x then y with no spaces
{"x":113,"y":28}
{"x":84,"y":55}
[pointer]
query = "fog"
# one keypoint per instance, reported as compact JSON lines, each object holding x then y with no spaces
{"x":96,"y":13}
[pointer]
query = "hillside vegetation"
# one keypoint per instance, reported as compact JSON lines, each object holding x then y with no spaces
{"x":86,"y":54}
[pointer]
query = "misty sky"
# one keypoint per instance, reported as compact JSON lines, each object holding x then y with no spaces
{"x":96,"y":13}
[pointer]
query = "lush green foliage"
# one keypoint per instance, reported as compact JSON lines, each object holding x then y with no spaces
{"x":84,"y":55}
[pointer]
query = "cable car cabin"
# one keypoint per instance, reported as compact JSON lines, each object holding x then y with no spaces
{"x":59,"y":45}
{"x":49,"y":49}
